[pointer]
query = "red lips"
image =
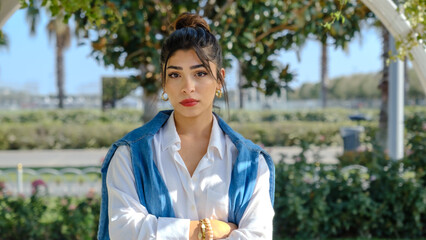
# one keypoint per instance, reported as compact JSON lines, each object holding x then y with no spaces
{"x":189,"y":102}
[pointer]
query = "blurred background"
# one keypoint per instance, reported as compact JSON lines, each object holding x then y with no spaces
{"x":307,"y":80}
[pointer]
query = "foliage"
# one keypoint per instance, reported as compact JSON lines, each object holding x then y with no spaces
{"x":356,"y":86}
{"x":130,"y":33}
{"x":61,"y":136}
{"x":315,"y":201}
{"x":71,"y":116}
{"x":3,"y":40}
{"x":46,"y":217}
{"x":93,"y":129}
{"x":414,"y":12}
{"x":93,"y":10}
{"x":387,"y":199}
{"x":67,"y":129}
{"x":114,"y":89}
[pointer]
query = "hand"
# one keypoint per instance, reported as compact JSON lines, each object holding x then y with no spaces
{"x":222,"y":229}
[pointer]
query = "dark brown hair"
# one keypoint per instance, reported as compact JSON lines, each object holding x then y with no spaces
{"x":191,"y":31}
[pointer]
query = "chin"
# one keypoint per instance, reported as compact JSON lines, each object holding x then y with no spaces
{"x":190,"y":112}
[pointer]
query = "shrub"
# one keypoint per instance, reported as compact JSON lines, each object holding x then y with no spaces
{"x":45,"y":217}
{"x":319,"y":201}
{"x":388,"y":200}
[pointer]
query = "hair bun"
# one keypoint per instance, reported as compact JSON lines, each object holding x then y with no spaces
{"x":190,"y":20}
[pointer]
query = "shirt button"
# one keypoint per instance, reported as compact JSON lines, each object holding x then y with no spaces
{"x":193,"y":208}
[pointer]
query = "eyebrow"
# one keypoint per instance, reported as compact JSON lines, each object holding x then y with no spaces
{"x":180,"y":68}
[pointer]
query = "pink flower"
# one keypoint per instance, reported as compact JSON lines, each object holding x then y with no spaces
{"x":361,"y":148}
{"x":2,"y":186}
{"x":91,"y":193}
{"x":64,"y":202}
{"x":408,"y":152}
{"x":37,"y":184}
{"x":72,"y":207}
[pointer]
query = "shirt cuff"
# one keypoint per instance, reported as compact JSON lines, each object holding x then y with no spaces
{"x":173,"y":228}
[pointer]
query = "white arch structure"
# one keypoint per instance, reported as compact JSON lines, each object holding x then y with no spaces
{"x":7,"y":8}
{"x":398,"y":26}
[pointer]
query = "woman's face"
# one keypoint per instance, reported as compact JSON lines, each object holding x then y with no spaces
{"x":189,"y":86}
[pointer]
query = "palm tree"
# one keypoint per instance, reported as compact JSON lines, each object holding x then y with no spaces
{"x":324,"y":72}
{"x":382,"y":134}
{"x":59,"y":31}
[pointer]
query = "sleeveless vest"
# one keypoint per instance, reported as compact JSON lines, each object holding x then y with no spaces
{"x":149,"y":182}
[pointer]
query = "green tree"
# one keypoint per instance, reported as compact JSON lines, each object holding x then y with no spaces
{"x":130,"y":33}
{"x":136,"y":42}
{"x":114,"y":89}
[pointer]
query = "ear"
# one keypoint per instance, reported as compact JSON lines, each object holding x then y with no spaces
{"x":222,"y":72}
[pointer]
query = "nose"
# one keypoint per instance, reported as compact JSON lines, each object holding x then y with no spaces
{"x":188,"y":85}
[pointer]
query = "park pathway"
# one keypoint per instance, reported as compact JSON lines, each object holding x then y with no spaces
{"x":94,"y":157}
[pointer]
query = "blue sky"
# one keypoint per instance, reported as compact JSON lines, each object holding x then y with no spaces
{"x":28,"y":64}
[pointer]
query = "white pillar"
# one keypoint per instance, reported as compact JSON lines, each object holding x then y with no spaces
{"x":20,"y":179}
{"x":396,"y":107}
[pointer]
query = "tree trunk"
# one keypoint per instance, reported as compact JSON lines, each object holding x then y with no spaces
{"x":150,"y":102}
{"x":149,"y":99}
{"x":241,"y":81}
{"x":406,"y":81}
{"x":324,"y":73}
{"x":382,"y":134}
{"x":60,"y":45}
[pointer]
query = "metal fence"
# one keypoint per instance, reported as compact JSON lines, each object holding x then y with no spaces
{"x":50,"y":181}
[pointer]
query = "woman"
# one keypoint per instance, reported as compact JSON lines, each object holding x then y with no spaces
{"x":186,"y":174}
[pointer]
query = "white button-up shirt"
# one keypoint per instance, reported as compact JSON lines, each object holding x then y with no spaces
{"x":204,"y":195}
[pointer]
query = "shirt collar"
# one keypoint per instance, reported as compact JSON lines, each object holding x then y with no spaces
{"x":217,"y":140}
{"x":171,"y":138}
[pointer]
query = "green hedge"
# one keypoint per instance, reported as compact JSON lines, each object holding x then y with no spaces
{"x":65,"y":129}
{"x":74,"y":129}
{"x":55,"y":135}
{"x":38,"y":217}
{"x":312,"y":201}
{"x":388,"y":201}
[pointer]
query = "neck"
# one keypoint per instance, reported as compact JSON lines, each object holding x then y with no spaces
{"x":199,"y":126}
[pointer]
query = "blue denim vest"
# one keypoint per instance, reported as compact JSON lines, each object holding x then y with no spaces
{"x":152,"y":190}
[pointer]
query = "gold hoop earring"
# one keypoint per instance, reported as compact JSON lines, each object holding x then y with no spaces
{"x":219,"y":93}
{"x":164,"y":98}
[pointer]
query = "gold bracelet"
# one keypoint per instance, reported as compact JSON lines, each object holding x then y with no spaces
{"x":202,"y":231}
{"x":209,"y":228}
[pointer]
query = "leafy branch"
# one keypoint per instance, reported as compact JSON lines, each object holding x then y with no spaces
{"x":336,"y":16}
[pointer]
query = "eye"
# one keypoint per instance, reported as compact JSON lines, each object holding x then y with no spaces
{"x":173,"y":75}
{"x":201,"y":74}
